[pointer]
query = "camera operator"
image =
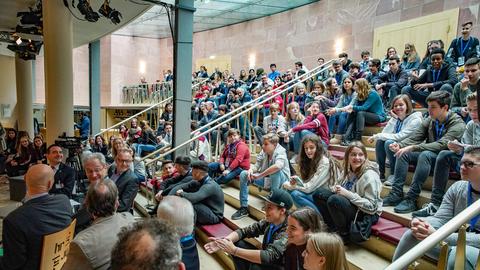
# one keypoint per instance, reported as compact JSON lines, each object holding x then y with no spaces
{"x":64,"y":175}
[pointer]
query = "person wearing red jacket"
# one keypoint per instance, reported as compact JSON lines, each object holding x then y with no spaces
{"x":315,"y":123}
{"x":234,"y":159}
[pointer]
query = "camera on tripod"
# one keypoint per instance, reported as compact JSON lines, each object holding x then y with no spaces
{"x":73,"y":144}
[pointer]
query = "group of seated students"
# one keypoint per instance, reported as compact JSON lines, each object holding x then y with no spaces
{"x":336,"y":202}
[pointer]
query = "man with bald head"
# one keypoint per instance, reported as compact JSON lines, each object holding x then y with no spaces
{"x":41,"y":214}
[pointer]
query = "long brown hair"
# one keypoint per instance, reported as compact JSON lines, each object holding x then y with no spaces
{"x":308,"y":167}
{"x":300,"y":116}
{"x":347,"y":168}
{"x":309,"y":219}
{"x":363,"y":89}
{"x":330,"y":246}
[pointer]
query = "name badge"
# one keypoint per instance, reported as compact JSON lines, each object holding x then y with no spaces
{"x":461,"y":61}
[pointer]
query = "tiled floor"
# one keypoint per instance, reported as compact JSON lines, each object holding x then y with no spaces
{"x":6,"y":205}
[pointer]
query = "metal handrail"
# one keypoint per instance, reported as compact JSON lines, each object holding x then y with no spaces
{"x":145,"y":84}
{"x":435,"y":238}
{"x":307,"y":74}
{"x":255,"y":103}
{"x":133,"y":116}
{"x":198,"y":83}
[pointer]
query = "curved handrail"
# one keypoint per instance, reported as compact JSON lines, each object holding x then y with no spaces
{"x":255,"y":103}
{"x":200,"y":82}
{"x":432,"y":240}
{"x":307,"y":74}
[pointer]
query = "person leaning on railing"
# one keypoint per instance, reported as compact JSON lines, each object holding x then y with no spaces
{"x":457,"y":198}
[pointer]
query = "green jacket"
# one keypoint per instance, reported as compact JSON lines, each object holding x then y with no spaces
{"x":423,"y":139}
{"x":459,"y":97}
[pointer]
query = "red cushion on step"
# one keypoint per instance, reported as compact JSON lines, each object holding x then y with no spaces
{"x":216,"y":230}
{"x":383,"y":225}
{"x":337,"y":154}
{"x":393,"y":235}
{"x":381,"y":124}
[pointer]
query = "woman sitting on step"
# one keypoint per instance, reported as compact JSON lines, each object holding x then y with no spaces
{"x":325,"y":251}
{"x":403,"y":123}
{"x":294,"y":118}
{"x":356,"y":200}
{"x":368,"y":109}
{"x":338,"y":115}
{"x":317,"y":170}
{"x":301,"y":223}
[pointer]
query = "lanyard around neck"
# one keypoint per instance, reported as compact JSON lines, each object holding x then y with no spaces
{"x":439,"y":128}
{"x":437,"y":76}
{"x":463,"y":47}
{"x":474,"y":220}
{"x":272,"y":230}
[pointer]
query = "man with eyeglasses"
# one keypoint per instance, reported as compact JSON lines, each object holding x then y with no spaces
{"x":421,"y":149}
{"x":450,"y":158}
{"x":458,"y":197}
{"x":125,"y":179}
{"x":465,"y":47}
{"x":390,"y":84}
{"x":440,"y":75}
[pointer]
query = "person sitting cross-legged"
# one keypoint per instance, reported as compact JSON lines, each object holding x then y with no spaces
{"x":235,"y":158}
{"x":274,"y":230}
{"x":317,"y":169}
{"x":205,"y":195}
{"x":422,"y":149}
{"x":457,"y":198}
{"x":448,"y":159}
{"x":269,"y":172}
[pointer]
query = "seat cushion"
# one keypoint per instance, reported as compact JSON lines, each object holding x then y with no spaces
{"x":216,"y":230}
{"x":393,"y":235}
{"x":383,"y":225}
{"x":382,"y":124}
{"x":337,"y":154}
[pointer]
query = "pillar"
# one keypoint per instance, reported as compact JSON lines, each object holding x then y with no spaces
{"x":23,"y":73}
{"x":58,"y":45}
{"x":94,"y":78}
{"x":182,"y":72}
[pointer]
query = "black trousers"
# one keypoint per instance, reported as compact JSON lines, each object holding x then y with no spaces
{"x":356,"y":122}
{"x":204,"y":215}
{"x":337,"y":211}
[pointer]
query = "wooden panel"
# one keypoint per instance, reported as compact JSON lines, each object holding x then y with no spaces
{"x":418,"y":31}
{"x":220,"y":62}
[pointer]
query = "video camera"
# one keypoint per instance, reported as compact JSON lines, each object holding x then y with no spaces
{"x":70,"y":143}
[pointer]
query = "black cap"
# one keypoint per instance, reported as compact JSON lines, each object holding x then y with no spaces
{"x":280,"y":198}
{"x":201,"y":165}
{"x":183,"y":160}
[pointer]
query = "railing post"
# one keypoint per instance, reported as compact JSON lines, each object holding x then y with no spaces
{"x":461,"y":247}
{"x":443,"y":257}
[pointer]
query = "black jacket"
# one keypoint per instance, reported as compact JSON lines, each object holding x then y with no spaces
{"x":454,"y":51}
{"x":24,"y":228}
{"x":127,"y":190}
{"x":447,"y":75}
{"x":65,"y":178}
{"x":398,"y":79}
{"x":170,"y":183}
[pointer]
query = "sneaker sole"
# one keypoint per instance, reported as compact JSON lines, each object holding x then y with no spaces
{"x":240,"y":217}
{"x":403,"y":211}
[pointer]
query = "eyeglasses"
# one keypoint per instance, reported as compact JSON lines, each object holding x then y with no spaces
{"x":124,"y":160}
{"x":392,"y":64}
{"x":468,"y":164}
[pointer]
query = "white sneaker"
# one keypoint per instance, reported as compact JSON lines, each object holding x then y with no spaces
{"x":389,"y":181}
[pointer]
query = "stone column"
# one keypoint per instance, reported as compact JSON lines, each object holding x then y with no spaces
{"x":23,"y":73}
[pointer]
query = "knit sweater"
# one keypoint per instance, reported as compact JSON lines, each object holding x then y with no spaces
{"x":319,"y":180}
{"x":241,"y":159}
{"x":373,"y":103}
{"x":409,"y":125}
{"x":276,"y":126}
{"x":471,"y":136}
{"x":454,"y":202}
{"x":459,"y":96}
{"x":317,"y":124}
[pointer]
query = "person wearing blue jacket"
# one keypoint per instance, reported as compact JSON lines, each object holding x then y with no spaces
{"x":84,"y":126}
{"x":368,"y":109}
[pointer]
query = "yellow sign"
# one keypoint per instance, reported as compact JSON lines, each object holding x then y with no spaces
{"x":55,"y":248}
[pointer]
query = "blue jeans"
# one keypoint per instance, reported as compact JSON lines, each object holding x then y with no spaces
{"x":297,"y":139}
{"x":277,"y":179}
{"x":144,"y":147}
{"x":214,"y":168}
{"x":445,"y":161}
{"x":383,"y":152}
{"x":341,"y":118}
{"x":302,"y":199}
{"x":424,"y":161}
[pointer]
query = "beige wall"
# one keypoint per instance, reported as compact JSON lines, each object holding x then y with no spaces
{"x":8,"y":94}
{"x":80,"y":78}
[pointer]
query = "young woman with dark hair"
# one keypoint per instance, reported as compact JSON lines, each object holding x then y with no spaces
{"x":301,"y":222}
{"x":338,"y":115}
{"x":40,"y":149}
{"x":24,"y":157}
{"x":317,"y":170}
{"x":100,"y":145}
